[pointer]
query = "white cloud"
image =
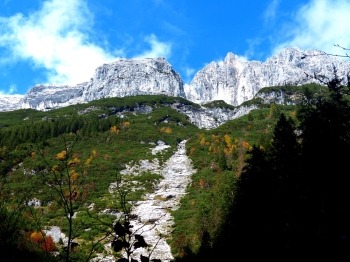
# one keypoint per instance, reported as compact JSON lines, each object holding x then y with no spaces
{"x":251,"y":50}
{"x":188,"y":74}
{"x":158,"y":48}
{"x":318,"y":25}
{"x":55,"y":38}
{"x":270,"y":12}
{"x":11,"y":90}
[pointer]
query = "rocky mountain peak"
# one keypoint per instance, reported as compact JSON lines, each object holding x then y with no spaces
{"x":230,"y":57}
{"x":233,"y":80}
{"x":123,"y":77}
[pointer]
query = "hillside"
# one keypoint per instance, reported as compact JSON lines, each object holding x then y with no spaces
{"x":101,"y":139}
{"x":69,"y":175}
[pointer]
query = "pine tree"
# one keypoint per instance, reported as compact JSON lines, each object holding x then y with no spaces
{"x":325,"y":126}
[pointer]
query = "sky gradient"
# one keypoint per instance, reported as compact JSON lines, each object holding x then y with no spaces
{"x":63,"y":41}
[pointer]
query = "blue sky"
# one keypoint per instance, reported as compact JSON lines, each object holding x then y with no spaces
{"x":63,"y":41}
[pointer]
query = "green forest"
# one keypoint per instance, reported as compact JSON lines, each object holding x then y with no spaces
{"x":272,"y":182}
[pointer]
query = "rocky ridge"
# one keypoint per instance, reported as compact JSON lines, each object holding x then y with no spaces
{"x":10,"y":102}
{"x":233,"y":80}
{"x":124,"y":77}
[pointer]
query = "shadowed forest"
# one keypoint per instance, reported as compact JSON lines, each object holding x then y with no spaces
{"x":293,"y":196}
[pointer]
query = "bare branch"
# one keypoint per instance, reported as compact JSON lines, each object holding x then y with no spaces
{"x":328,"y":54}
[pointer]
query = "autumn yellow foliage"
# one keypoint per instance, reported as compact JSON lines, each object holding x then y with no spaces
{"x":202,"y":183}
{"x":62,"y":156}
{"x":55,"y":168}
{"x":124,"y":125}
{"x":89,"y":160}
{"x":114,"y":129}
{"x":74,"y":161}
{"x":166,"y":130}
{"x":74,"y":176}
{"x":246,"y":145}
{"x":37,"y":237}
{"x":228,"y":140}
{"x":192,"y":150}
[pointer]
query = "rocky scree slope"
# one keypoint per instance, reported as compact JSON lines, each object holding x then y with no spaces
{"x":150,"y":216}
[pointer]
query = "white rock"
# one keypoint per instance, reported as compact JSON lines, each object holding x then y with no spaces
{"x":159,"y":148}
{"x":56,"y":234}
{"x":153,"y":216}
{"x":34,"y":202}
{"x":124,"y":77}
{"x":235,"y":80}
{"x":10,"y":102}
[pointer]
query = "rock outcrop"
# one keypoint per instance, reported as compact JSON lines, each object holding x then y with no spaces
{"x":209,"y":118}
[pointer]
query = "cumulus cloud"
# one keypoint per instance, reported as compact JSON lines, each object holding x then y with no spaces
{"x":318,"y":25}
{"x":158,"y":48}
{"x":56,"y":38}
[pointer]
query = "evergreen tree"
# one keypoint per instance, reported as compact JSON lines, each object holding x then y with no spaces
{"x":325,"y":127}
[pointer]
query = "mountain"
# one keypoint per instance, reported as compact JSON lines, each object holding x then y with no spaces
{"x":124,"y":77}
{"x":150,"y":149}
{"x":10,"y":102}
{"x":233,"y":80}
